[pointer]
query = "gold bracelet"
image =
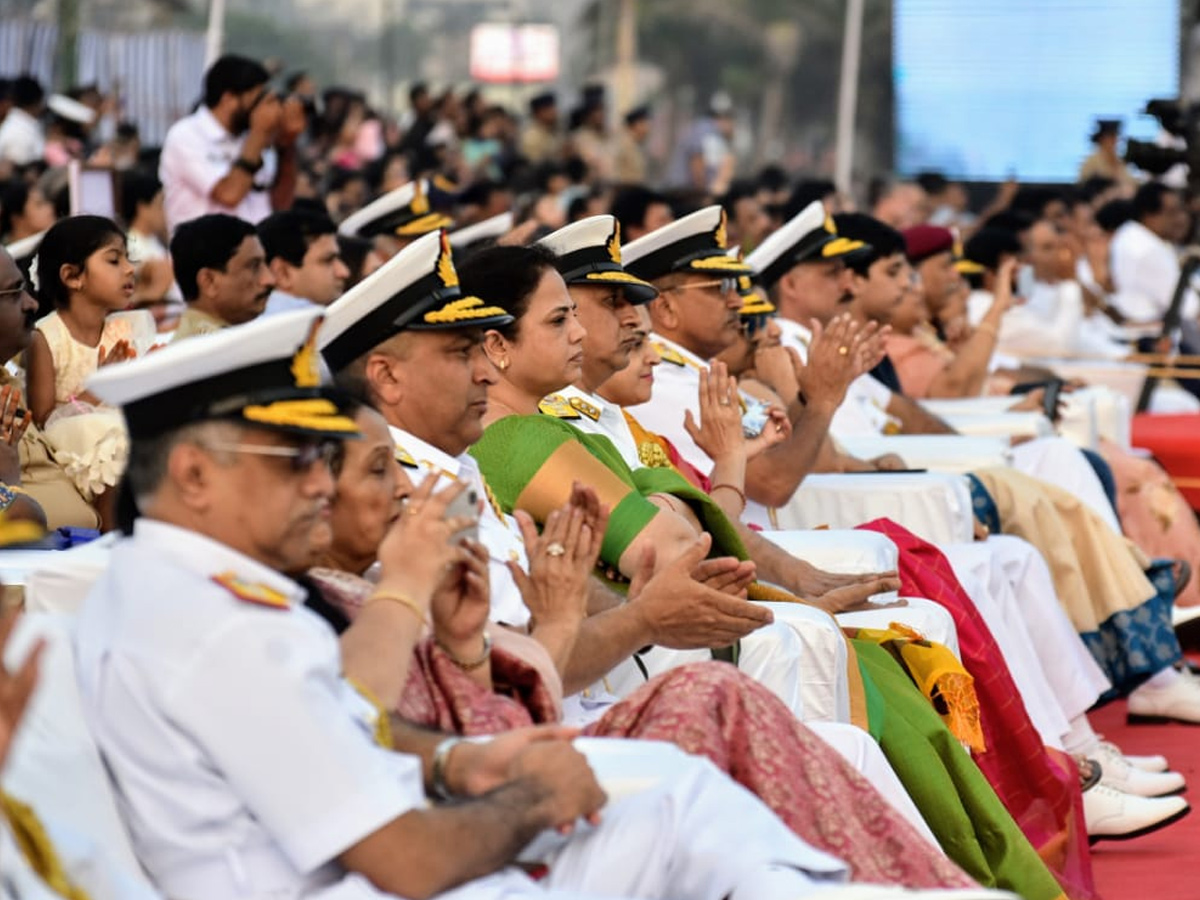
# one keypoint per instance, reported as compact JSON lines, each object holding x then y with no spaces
{"x":469,"y":665}
{"x":407,"y":602}
{"x":729,"y":487}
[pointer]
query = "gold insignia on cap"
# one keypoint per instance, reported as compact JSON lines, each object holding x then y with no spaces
{"x":445,"y":264}
{"x":404,"y":457}
{"x":614,"y":243}
{"x":305,"y":368}
{"x":557,"y":405}
{"x":591,"y":410}
{"x":252,"y":592}
{"x":829,"y":226}
{"x":720,"y":236}
{"x":840,"y":247}
{"x":462,"y":310}
{"x":420,"y":203}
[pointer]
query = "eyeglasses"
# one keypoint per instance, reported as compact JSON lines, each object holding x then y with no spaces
{"x":722,"y":286}
{"x":20,"y":289}
{"x":302,"y":458}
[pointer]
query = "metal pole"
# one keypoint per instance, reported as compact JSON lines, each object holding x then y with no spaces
{"x":214,"y":39}
{"x":848,"y":95}
{"x":626,"y":76}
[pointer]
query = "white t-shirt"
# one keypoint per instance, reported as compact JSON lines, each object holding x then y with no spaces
{"x":196,"y":154}
{"x":1145,"y":270}
{"x":22,"y":140}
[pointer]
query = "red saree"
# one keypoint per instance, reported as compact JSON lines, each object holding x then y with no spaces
{"x":1038,"y":786}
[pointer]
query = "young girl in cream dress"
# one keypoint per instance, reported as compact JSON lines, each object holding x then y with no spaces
{"x":84,"y":270}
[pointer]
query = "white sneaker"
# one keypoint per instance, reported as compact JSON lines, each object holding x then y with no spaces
{"x":1117,"y":772}
{"x":1114,"y":816}
{"x":1177,"y":702}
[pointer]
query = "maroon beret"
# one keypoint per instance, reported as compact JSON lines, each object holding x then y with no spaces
{"x":923,"y":241}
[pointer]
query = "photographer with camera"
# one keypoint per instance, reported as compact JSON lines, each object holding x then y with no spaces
{"x":236,"y":153}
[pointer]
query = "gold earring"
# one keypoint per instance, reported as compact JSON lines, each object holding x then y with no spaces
{"x":502,"y":365}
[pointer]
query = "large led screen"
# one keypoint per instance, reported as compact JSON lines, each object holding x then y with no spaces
{"x":986,"y":89}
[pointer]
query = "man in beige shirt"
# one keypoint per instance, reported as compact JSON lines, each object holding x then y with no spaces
{"x":222,"y":271}
{"x":631,"y":153}
{"x":542,"y":141}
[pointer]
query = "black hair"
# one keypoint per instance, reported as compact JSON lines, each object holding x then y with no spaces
{"x":987,"y":245}
{"x":631,"y":204}
{"x":1091,"y":188}
{"x":208,"y":242}
{"x":293,"y":80}
{"x":418,"y":90}
{"x":137,"y":187}
{"x":507,"y":277}
{"x":932,"y":183}
{"x":883,"y":239}
{"x":1149,"y":199}
{"x":1115,"y":213}
{"x":14,"y":194}
{"x":353,"y":251}
{"x":70,"y":242}
{"x":804,"y":193}
{"x":738,"y":190}
{"x":1034,"y":200}
{"x":232,"y":74}
{"x":1014,"y":220}
{"x":773,"y":178}
{"x":26,"y":92}
{"x":288,"y":235}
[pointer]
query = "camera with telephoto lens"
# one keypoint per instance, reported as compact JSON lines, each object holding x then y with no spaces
{"x":1182,"y":122}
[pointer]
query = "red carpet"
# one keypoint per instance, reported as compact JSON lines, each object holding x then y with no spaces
{"x":1163,"y":865}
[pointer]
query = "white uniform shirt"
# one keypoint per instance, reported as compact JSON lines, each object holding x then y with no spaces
{"x":1145,"y":270}
{"x":244,"y":764}
{"x":497,"y":531}
{"x":864,"y":411}
{"x":196,"y":154}
{"x":22,"y":140}
{"x":609,"y":421}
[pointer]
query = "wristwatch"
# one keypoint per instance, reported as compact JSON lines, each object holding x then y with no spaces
{"x":251,"y":168}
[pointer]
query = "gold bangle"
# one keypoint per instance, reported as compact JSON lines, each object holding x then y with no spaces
{"x":730,"y":487}
{"x":407,"y":602}
{"x":469,"y":665}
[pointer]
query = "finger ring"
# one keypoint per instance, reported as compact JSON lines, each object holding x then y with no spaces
{"x":555,"y":549}
{"x":843,"y":350}
{"x":724,"y":401}
{"x":413,"y":508}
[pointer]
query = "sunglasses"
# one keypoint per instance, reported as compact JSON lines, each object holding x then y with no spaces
{"x":302,"y":458}
{"x":752,"y":325}
{"x":722,"y":286}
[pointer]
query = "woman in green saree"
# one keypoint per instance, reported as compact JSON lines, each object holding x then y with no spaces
{"x":531,"y":458}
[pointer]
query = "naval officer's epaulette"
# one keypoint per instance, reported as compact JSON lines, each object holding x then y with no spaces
{"x":404,"y":457}
{"x":252,"y":592}
{"x":558,"y":406}
{"x":669,"y":354}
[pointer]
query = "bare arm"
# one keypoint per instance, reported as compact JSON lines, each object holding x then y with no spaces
{"x":40,"y":378}
{"x":914,"y":418}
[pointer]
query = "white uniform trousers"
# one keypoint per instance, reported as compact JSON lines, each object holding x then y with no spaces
{"x":1009,"y":583}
